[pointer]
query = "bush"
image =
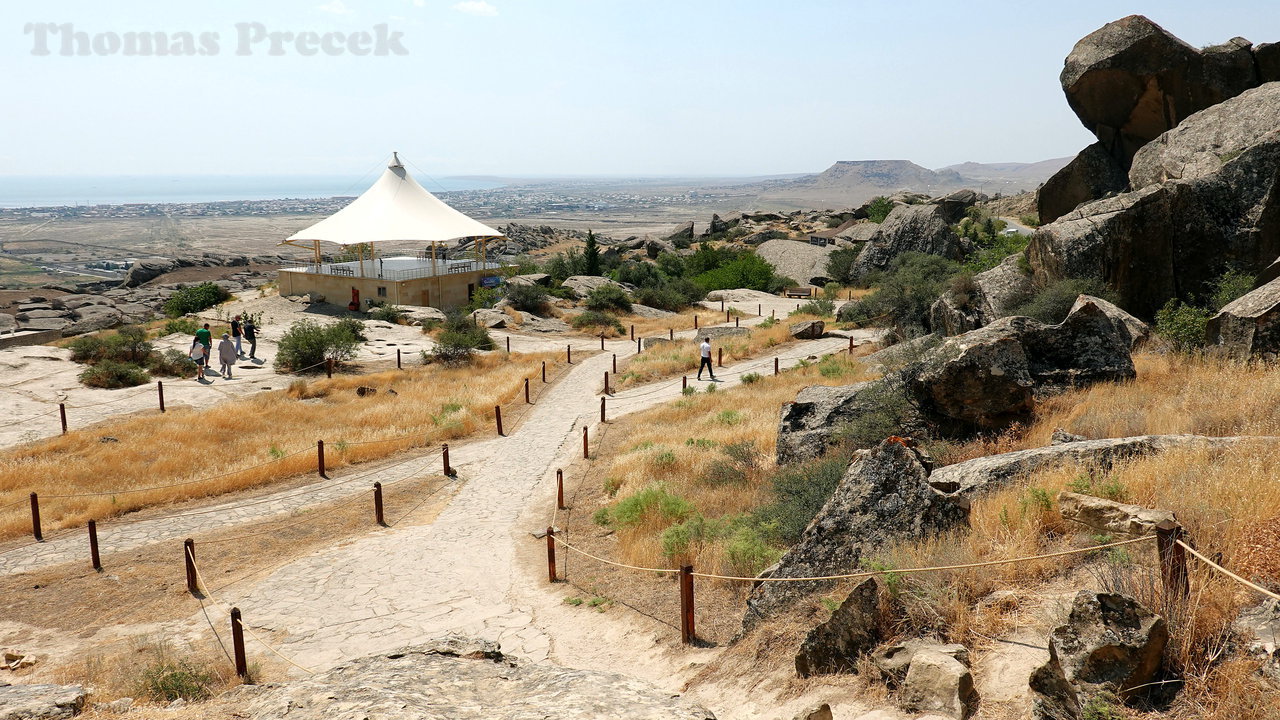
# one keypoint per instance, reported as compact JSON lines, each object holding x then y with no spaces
{"x":127,"y":345}
{"x":1228,"y":287}
{"x":113,"y":374}
{"x":653,"y":500}
{"x":840,"y":265}
{"x":593,"y":320}
{"x":608,"y":297}
{"x":307,"y":344}
{"x":458,"y":339}
{"x":1182,"y":325}
{"x":386,"y":313}
{"x":799,"y":492}
{"x":748,"y":270}
{"x":889,"y":410}
{"x":822,"y":307}
{"x":663,"y":298}
{"x":168,"y":680}
{"x":879,"y":208}
{"x":194,"y":299}
{"x":1029,"y":220}
{"x":527,"y":297}
{"x":170,"y":363}
{"x":1052,"y":303}
{"x":1001,"y":247}
{"x":87,"y":349}
{"x":751,"y":378}
{"x":906,"y":290}
{"x":749,"y":551}
{"x":181,"y":326}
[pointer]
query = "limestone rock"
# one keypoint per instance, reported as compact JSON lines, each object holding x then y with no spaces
{"x":809,"y":424}
{"x":939,"y":683}
{"x":899,"y":355}
{"x":1249,"y":325}
{"x":654,"y":248}
{"x":421,"y":314}
{"x":1002,"y":288}
{"x":71,"y":302}
{"x":41,"y":702}
{"x":1093,"y":174}
{"x":582,"y":285}
{"x":144,"y":271}
{"x":981,"y":378}
{"x":49,"y":323}
{"x":851,"y":632}
{"x":458,"y":680}
{"x":798,"y":260}
{"x":1131,"y":330}
{"x":645,"y":311}
{"x":40,"y":313}
{"x":894,"y":659}
{"x":7,"y":322}
{"x":948,"y":317}
{"x":530,"y":279}
{"x":1062,"y":437}
{"x":909,"y":228}
{"x":485,"y":317}
{"x":1110,"y":643}
{"x":1109,"y":516}
{"x":682,"y":232}
{"x":91,"y":318}
{"x":954,"y":205}
{"x":883,"y":497}
{"x":807,"y":330}
{"x":820,"y":712}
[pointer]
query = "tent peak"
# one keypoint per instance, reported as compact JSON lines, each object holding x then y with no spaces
{"x":395,"y":160}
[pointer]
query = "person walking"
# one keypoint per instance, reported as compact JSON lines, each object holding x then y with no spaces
{"x":226,"y":355}
{"x":705,"y":349}
{"x":198,"y":357}
{"x":251,"y":334}
{"x":204,"y":336}
{"x":235,"y":334}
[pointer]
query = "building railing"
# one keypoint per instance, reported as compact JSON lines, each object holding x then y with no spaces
{"x":375,"y":269}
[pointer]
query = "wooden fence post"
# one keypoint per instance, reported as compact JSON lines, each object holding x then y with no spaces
{"x":237,"y":643}
{"x":93,"y":545}
{"x":637,"y":346}
{"x":615,"y":363}
{"x":1173,"y":559}
{"x":328,"y":367}
{"x":759,"y":310}
{"x":189,"y":557}
{"x":722,"y":304}
{"x":720,"y":358}
{"x":559,"y":489}
{"x":35,"y":517}
{"x":160,"y":392}
{"x":606,"y":382}
{"x":62,"y":413}
{"x":568,"y":354}
{"x":850,"y":344}
{"x":448,"y":471}
{"x":497,"y":417}
{"x":551,"y":553}
{"x":601,"y":408}
{"x":601,"y":341}
{"x":775,"y":366}
{"x":687,"y":631}
{"x":377,"y":504}
{"x":684,"y":383}
{"x":320,"y":459}
{"x":695,"y":322}
{"x":726,"y":316}
{"x":585,"y":452}
{"x":735,"y":321}
{"x":526,"y":392}
{"x":399,"y":366}
{"x":544,"y":371}
{"x":633,"y":332}
{"x":508,"y":344}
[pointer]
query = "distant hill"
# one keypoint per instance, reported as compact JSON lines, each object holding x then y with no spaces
{"x":852,"y":182}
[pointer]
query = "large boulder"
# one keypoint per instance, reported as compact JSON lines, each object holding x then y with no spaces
{"x":92,"y":318}
{"x":1131,"y":80}
{"x":957,"y":203}
{"x":1002,"y":288}
{"x":582,"y":285}
{"x":1109,"y":516}
{"x":1110,"y":643}
{"x":1131,"y":330}
{"x":852,"y":631}
{"x":1249,"y":325}
{"x":940,"y":684}
{"x":952,"y":315}
{"x":807,"y":330}
{"x":910,"y":228}
{"x":682,"y":234}
{"x":530,"y":279}
{"x":144,"y":271}
{"x":798,"y":260}
{"x":41,"y":702}
{"x":1092,"y":174}
{"x":1180,"y":227}
{"x":884,"y":496}
{"x":466,"y":680}
{"x":810,"y":424}
{"x":720,"y":225}
{"x":485,"y":317}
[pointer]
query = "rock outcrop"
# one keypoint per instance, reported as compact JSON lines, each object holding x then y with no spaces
{"x":582,"y":285}
{"x":807,"y":330}
{"x":910,"y":228}
{"x":800,"y":261}
{"x":883,"y":496}
{"x":1002,"y":288}
{"x":940,"y":684}
{"x":1110,"y":643}
{"x":894,"y":660}
{"x":464,"y":680}
{"x":851,"y":632}
{"x":811,"y":423}
{"x":1093,"y":174}
{"x":41,"y":702}
{"x":1249,"y":325}
{"x":1131,"y":330}
{"x":1109,"y":516}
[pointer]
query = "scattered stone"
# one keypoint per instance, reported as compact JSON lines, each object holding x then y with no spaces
{"x":894,"y":659}
{"x":41,"y":702}
{"x":884,"y":496}
{"x":939,"y":683}
{"x":821,"y":712}
{"x":105,"y":439}
{"x":1249,"y":325}
{"x":366,"y":391}
{"x":851,"y":632}
{"x":121,"y":705}
{"x":484,"y":317}
{"x":682,"y":233}
{"x":582,"y":285}
{"x":466,"y":680}
{"x":1109,"y":516}
{"x":808,"y":330}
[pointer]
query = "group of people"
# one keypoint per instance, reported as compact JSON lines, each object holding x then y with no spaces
{"x":230,"y":348}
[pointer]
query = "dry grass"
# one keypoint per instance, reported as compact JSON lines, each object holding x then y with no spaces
{"x":682,"y":356}
{"x":255,"y":441}
{"x":154,"y":669}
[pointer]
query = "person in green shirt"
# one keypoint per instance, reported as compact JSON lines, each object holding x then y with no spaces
{"x":205,"y":338}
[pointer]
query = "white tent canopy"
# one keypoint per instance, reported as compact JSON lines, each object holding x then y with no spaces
{"x":395,"y":208}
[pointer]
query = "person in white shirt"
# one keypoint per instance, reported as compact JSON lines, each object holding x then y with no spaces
{"x":706,"y":358}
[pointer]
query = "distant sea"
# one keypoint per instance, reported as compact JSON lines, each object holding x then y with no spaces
{"x":46,"y":190}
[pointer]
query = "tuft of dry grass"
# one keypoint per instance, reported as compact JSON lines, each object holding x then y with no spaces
{"x":154,"y":669}
{"x":255,"y":441}
{"x":682,"y":356}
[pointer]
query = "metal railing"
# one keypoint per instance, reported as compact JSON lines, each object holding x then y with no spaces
{"x":352,"y":270}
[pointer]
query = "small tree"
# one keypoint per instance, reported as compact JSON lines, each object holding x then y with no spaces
{"x":527,"y":297}
{"x":608,"y":297}
{"x":840,"y":265}
{"x":458,"y":339}
{"x":592,"y":254}
{"x":307,"y":344}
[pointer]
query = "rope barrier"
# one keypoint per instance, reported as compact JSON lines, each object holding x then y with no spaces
{"x":203,"y":584}
{"x":610,"y":562}
{"x":1227,"y":572}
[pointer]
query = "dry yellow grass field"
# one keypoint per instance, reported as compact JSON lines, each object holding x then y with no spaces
{"x":252,"y":442}
{"x":665,"y":361}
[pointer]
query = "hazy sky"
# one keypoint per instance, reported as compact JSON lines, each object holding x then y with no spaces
{"x":547,"y":87}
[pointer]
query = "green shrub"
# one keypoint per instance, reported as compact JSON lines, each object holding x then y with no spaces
{"x":194,"y":299}
{"x":748,"y":270}
{"x":181,"y":326}
{"x":386,"y":313}
{"x":663,"y":298}
{"x":169,"y":680}
{"x":608,"y":297}
{"x":527,"y":297}
{"x":113,"y":374}
{"x":799,"y":492}
{"x":905,"y":292}
{"x":749,"y":551}
{"x":129,"y":344}
{"x":1029,"y":220}
{"x":308,"y":344}
{"x":840,"y":265}
{"x":87,"y":349}
{"x":1052,"y":303}
{"x":889,"y":409}
{"x":458,"y":339}
{"x":879,"y":208}
{"x":696,"y":530}
{"x":170,"y":363}
{"x":1182,"y":325}
{"x":594,"y":320}
{"x":1228,"y":287}
{"x":751,"y":378}
{"x":653,"y":500}
{"x":1000,"y":247}
{"x":822,"y":307}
